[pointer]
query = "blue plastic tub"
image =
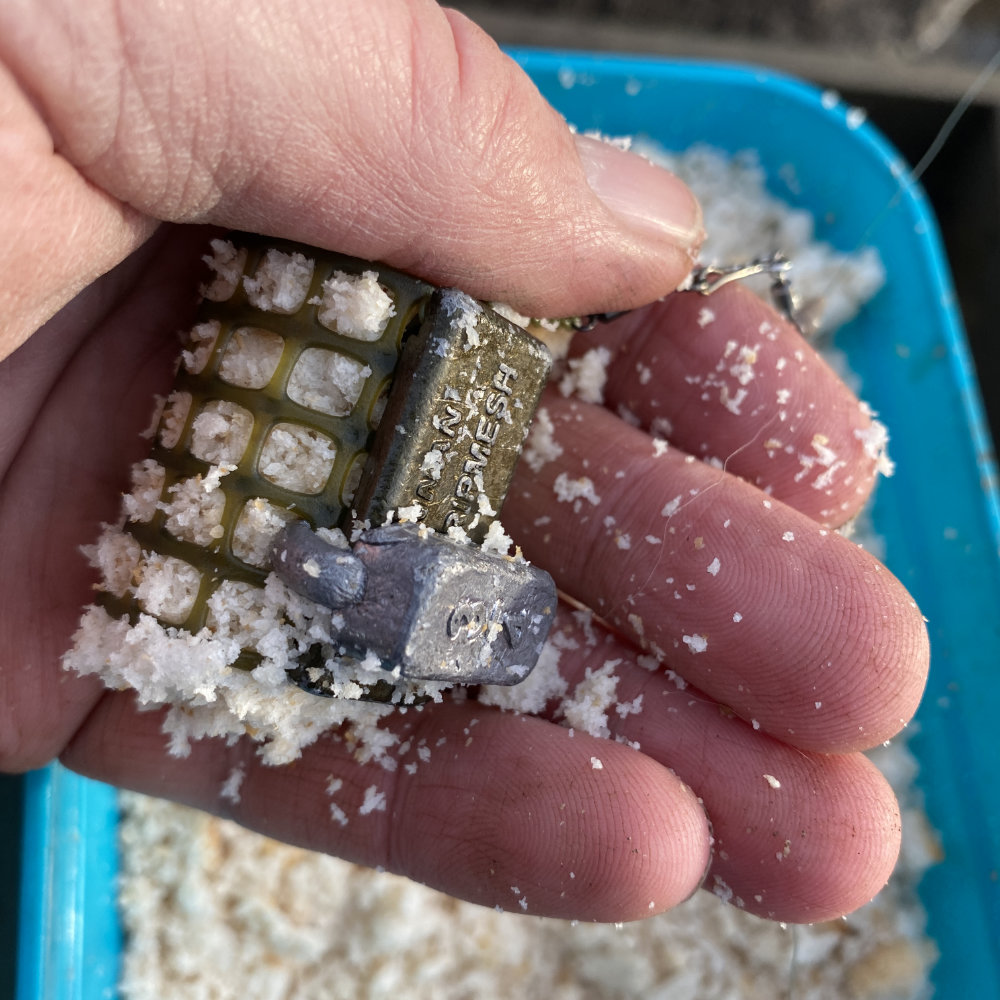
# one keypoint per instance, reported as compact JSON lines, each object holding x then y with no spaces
{"x":938,"y":515}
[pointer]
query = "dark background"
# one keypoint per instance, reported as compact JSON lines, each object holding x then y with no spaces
{"x":907,"y":62}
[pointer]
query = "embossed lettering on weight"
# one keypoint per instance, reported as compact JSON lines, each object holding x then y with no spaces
{"x":450,"y":421}
{"x":472,"y":619}
{"x":455,"y":419}
{"x":468,"y":484}
{"x":428,"y":483}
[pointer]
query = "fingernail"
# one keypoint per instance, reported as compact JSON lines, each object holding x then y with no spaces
{"x":644,"y":197}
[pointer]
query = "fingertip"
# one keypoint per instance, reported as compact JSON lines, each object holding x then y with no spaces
{"x":581,"y":828}
{"x":899,"y":679}
{"x":666,"y":857}
{"x":870,"y":691}
{"x":860,"y":865}
{"x":833,"y":853}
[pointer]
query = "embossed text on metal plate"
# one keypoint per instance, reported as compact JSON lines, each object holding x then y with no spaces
{"x":459,"y":409}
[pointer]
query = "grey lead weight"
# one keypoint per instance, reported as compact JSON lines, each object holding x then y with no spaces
{"x":436,"y":609}
{"x":328,"y":575}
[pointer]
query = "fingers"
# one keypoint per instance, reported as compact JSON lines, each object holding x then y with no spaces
{"x":795,"y":628}
{"x":797,"y":836}
{"x":501,"y":810}
{"x":800,"y":632}
{"x":726,"y":379}
{"x":394,"y":130}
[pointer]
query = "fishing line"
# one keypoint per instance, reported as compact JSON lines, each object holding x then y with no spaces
{"x":911,"y":177}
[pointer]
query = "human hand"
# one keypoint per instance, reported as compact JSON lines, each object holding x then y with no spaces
{"x":399,"y":133}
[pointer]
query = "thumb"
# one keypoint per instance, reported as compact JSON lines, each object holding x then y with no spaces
{"x":393,"y":130}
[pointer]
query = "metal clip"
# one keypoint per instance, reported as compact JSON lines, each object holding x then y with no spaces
{"x":584,"y":324}
{"x":710,"y":278}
